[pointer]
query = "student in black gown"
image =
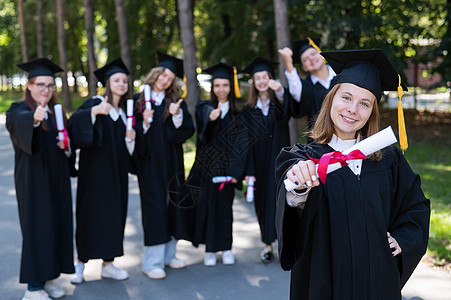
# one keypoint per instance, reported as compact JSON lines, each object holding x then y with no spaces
{"x":99,"y":130}
{"x":220,"y":152}
{"x":308,"y":94}
{"x":267,"y":119}
{"x":362,"y":233}
{"x":42,"y":181}
{"x":159,"y":163}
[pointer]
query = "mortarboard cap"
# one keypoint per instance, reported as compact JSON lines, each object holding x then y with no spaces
{"x":40,"y":67}
{"x":259,"y":64}
{"x":369,"y":69}
{"x":220,"y":70}
{"x":299,"y":47}
{"x":172,"y":63}
{"x":115,"y":66}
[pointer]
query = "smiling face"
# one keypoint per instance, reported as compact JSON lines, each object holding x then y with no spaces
{"x":118,"y":84}
{"x":41,"y":88}
{"x":261,"y":81}
{"x":164,"y":81}
{"x":221,"y":88}
{"x":311,"y":60}
{"x":351,"y":108}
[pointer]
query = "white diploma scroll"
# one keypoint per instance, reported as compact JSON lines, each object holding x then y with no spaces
{"x":220,"y":179}
{"x":147,"y":97}
{"x":250,"y":190}
{"x":368,"y":146}
{"x":59,"y":121}
{"x":129,"y":114}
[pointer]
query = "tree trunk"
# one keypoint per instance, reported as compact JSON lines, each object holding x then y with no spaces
{"x":40,"y":28}
{"x":185,"y":13}
{"x":283,"y":40}
{"x":63,"y":53}
{"x":23,"y":39}
{"x":92,"y":65}
{"x":123,"y":35}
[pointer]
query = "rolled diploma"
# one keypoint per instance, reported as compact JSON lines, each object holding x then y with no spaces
{"x":250,"y":190}
{"x":129,"y":114}
{"x":368,"y":146}
{"x":219,"y":179}
{"x":147,"y":97}
{"x":59,"y":121}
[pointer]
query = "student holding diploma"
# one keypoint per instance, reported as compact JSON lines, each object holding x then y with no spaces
{"x":106,"y":145}
{"x":42,"y":179}
{"x":267,"y":117}
{"x":360,"y":233}
{"x":162,"y":127}
{"x":219,"y":166}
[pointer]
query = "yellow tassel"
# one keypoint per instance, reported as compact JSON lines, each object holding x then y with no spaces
{"x":185,"y":89}
{"x":401,"y":124}
{"x":235,"y":83}
{"x":312,"y":43}
{"x":99,"y":90}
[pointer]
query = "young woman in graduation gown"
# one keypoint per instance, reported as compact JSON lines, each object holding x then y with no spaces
{"x":99,"y":130}
{"x":267,"y":119}
{"x":307,"y":94}
{"x":161,"y":132}
{"x":361,"y":234}
{"x":42,"y":179}
{"x":220,"y":152}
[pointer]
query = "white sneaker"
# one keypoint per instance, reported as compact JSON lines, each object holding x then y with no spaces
{"x":36,"y":295}
{"x":155,"y":273}
{"x":228,"y":258}
{"x":177,"y":263}
{"x":77,"y":277}
{"x":53,"y":290}
{"x":113,"y":272}
{"x":210,"y":259}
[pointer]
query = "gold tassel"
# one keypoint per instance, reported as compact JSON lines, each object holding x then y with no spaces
{"x":312,"y":43}
{"x":185,"y":89}
{"x":401,"y":124}
{"x":99,"y":90}
{"x":235,"y":83}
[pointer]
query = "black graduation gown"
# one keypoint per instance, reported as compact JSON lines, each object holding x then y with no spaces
{"x":267,"y":136}
{"x":43,"y":194}
{"x":312,"y":97}
{"x":159,"y":165}
{"x":102,"y":192}
{"x":221,"y":151}
{"x":337,"y":245}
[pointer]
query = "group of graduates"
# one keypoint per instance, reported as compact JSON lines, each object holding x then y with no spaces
{"x":336,"y":238}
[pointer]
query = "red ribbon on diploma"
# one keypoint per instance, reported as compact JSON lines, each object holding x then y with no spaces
{"x":133,"y":119}
{"x":332,"y":158}
{"x":66,"y":139}
{"x":223,"y":184}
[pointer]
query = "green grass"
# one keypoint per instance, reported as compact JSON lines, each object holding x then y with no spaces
{"x":433,"y":163}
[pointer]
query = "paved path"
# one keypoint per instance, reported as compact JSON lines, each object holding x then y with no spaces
{"x":248,"y":279}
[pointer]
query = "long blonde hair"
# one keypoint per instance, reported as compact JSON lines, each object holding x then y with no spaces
{"x":171,"y":93}
{"x":323,"y":129}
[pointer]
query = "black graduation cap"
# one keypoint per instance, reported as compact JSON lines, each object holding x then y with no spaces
{"x":220,"y":70}
{"x":259,"y":64}
{"x":369,"y":69}
{"x":40,"y":67}
{"x":299,"y":47}
{"x":172,"y":63}
{"x":115,"y":66}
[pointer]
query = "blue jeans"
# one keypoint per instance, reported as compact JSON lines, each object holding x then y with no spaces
{"x":32,"y":287}
{"x":159,"y":255}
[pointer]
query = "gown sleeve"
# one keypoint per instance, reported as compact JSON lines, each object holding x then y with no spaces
{"x":19,"y":122}
{"x":409,"y":220}
{"x":83,"y":132}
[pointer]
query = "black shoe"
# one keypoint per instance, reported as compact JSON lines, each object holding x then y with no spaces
{"x":266,"y":255}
